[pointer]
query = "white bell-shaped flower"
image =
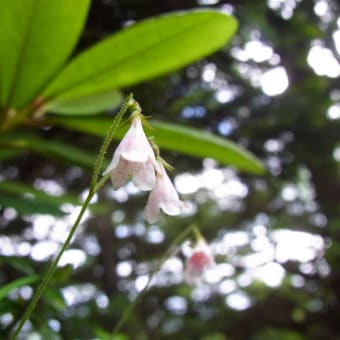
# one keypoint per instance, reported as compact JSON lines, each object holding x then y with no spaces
{"x":134,"y":158}
{"x":199,"y":261}
{"x":163,"y":196}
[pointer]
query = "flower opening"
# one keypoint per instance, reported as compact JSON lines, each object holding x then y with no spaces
{"x":200,"y":260}
{"x":162,"y":197}
{"x":133,"y":158}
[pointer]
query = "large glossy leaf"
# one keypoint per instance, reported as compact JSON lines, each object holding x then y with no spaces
{"x":36,"y":37}
{"x":94,"y":103}
{"x":144,"y":50}
{"x":173,"y":137}
{"x":204,"y":144}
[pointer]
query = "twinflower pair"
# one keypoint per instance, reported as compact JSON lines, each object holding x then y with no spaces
{"x":135,"y":158}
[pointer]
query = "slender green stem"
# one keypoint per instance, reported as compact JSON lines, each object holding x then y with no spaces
{"x":94,"y":187}
{"x":101,"y":183}
{"x":171,"y":251}
{"x":52,"y":267}
{"x":108,"y":139}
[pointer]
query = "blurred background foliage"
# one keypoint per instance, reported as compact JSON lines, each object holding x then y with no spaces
{"x":273,"y":90}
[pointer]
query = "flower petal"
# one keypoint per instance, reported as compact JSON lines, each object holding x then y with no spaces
{"x":133,"y":157}
{"x":135,"y":146}
{"x":151,"y":211}
{"x":170,"y":202}
{"x":120,"y":174}
{"x":171,"y":208}
{"x":144,"y":177}
{"x":114,"y":162}
{"x":163,"y":196}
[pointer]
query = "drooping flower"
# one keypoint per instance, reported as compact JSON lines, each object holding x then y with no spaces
{"x":134,"y":158}
{"x":200,"y":259}
{"x":163,"y":196}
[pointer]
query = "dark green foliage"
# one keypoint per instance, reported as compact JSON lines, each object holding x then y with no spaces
{"x":291,"y":133}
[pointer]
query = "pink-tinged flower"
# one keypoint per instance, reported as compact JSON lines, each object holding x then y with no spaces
{"x":163,"y":196}
{"x":199,"y":260}
{"x":134,"y":158}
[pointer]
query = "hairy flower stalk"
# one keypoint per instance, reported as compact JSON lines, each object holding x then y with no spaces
{"x":94,"y":187}
{"x":163,"y":196}
{"x":133,"y":158}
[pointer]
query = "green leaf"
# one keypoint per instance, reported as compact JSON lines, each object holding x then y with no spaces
{"x":104,"y":335}
{"x":36,"y":38}
{"x":29,"y":206}
{"x":202,"y":144}
{"x":7,"y":288}
{"x":17,"y":188}
{"x":187,"y":140}
{"x":94,"y":103}
{"x":50,"y":148}
{"x":8,"y":153}
{"x":19,"y":263}
{"x":63,"y":151}
{"x":147,"y":49}
{"x":27,"y":199}
{"x":54,"y":297}
{"x":44,"y":331}
{"x":63,"y":274}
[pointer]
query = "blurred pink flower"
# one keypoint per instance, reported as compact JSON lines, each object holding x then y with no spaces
{"x":163,"y":196}
{"x":134,"y":158}
{"x":199,"y":260}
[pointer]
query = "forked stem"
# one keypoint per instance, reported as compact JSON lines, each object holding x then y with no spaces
{"x":94,"y":187}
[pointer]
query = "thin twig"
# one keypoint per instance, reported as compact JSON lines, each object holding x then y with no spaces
{"x":171,"y":251}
